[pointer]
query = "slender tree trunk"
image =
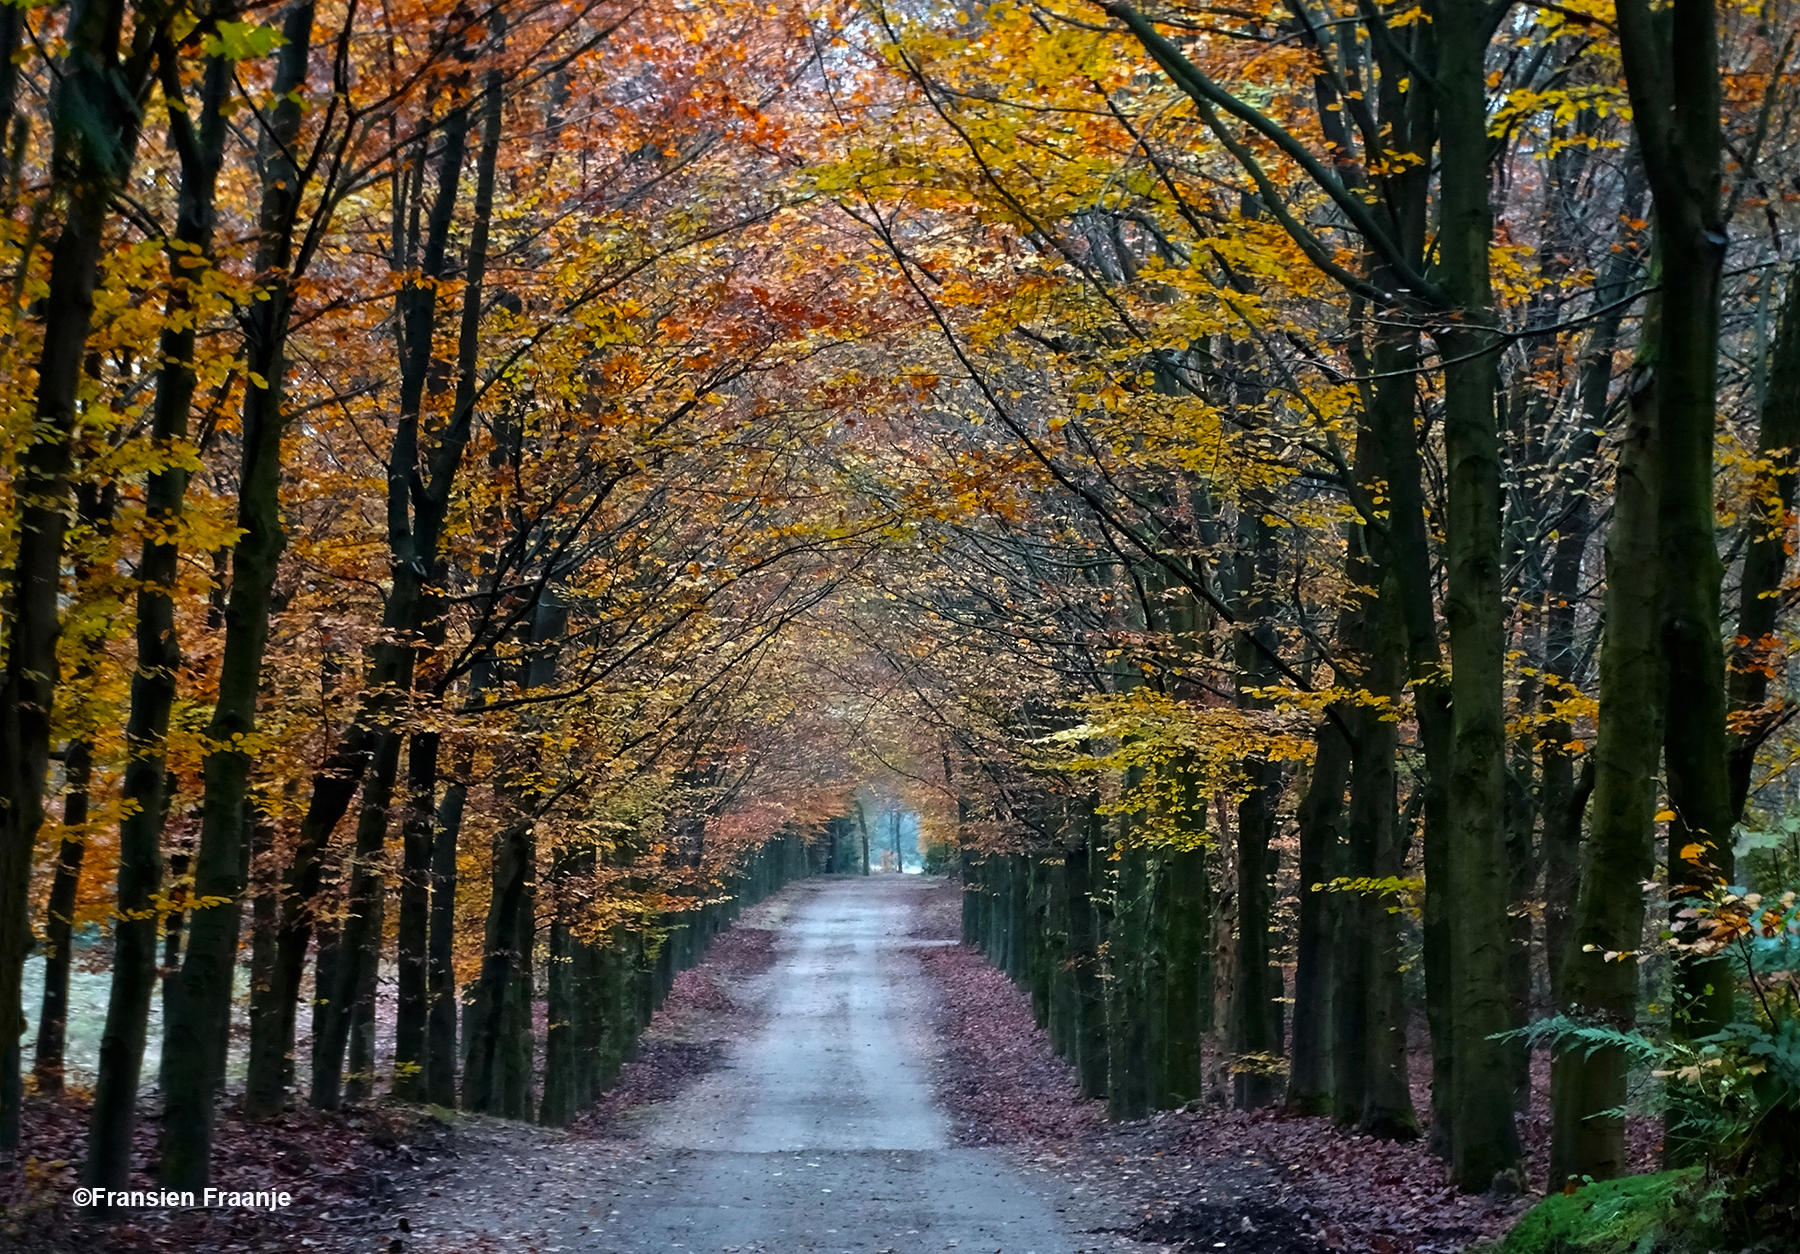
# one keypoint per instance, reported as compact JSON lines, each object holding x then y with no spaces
{"x":563,"y":1043}
{"x":95,"y":117}
{"x":1255,"y":1025}
{"x":489,"y":1071}
{"x":1387,"y":1109}
{"x":440,"y":1043}
{"x":200,"y":145}
{"x":1319,"y":953}
{"x":1086,"y":863}
{"x":412,"y":1009}
{"x":359,"y":944}
{"x":1404,"y":547}
{"x":264,"y":918}
{"x":94,"y":509}
{"x":59,"y":924}
{"x":1320,"y":816}
{"x":1563,"y":798}
{"x":1519,"y":823}
{"x":1255,"y":1050}
{"x":1765,"y":556}
{"x":1060,"y":1012}
{"x":359,"y":1063}
{"x":558,"y":1105}
{"x":1189,"y":976}
{"x":1587,"y":1140}
{"x":1353,"y":935}
{"x":169,"y":976}
{"x":190,"y":1040}
{"x":1128,"y":1080}
{"x":414,"y":554}
{"x":1671,"y":60}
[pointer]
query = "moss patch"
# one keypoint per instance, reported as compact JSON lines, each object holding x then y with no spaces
{"x":1633,"y":1215}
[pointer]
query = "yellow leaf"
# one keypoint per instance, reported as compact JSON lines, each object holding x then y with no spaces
{"x":1663,"y":816}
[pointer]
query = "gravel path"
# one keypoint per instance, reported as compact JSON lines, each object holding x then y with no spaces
{"x":819,"y":1130}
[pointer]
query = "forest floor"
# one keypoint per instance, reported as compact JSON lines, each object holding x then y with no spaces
{"x":1205,"y":1178}
{"x":838,"y":1074}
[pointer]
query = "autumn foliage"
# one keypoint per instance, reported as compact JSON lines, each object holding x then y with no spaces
{"x":1295,"y":498}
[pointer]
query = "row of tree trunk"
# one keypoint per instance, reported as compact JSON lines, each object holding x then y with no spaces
{"x":1137,"y":957}
{"x":599,"y":993}
{"x":1114,"y":953}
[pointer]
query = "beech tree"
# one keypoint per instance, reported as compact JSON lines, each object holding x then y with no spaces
{"x":1295,"y":499}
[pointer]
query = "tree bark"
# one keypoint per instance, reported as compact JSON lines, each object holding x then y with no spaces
{"x":1484,"y":1142}
{"x":192,"y":1039}
{"x":440,"y":973}
{"x":1319,"y":819}
{"x":1671,"y":61}
{"x":412,"y":1009}
{"x":359,"y":944}
{"x":1620,"y":847}
{"x":1765,"y":556}
{"x":199,"y":142}
{"x":94,"y":116}
{"x":1085,"y":866}
{"x":413,"y":540}
{"x":1128,"y":1080}
{"x":1189,"y":994}
{"x":490,"y":1067}
{"x":1387,"y":1109}
{"x":59,"y":922}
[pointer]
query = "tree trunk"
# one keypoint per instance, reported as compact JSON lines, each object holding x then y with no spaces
{"x":173,"y":925}
{"x":59,"y":923}
{"x":191,"y":1040}
{"x":94,"y":111}
{"x":564,"y":1044}
{"x":1086,"y":866}
{"x":491,"y":1036}
{"x":413,"y":542}
{"x":1562,"y":797}
{"x":1319,"y":818}
{"x":560,"y":1042}
{"x":1484,"y":1142}
{"x":153,"y":684}
{"x":1671,"y":61}
{"x":412,"y":1009}
{"x":440,"y":972}
{"x":1386,"y":1108}
{"x":1189,"y":973}
{"x":1620,"y":847}
{"x":1128,"y":1079}
{"x":94,"y":509}
{"x":264,"y":918}
{"x":1255,"y":1025}
{"x":1403,"y":546}
{"x":1765,"y":556}
{"x":359,"y":944}
{"x":1255,"y":1050}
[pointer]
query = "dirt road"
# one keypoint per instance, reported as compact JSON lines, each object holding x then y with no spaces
{"x":818,"y":1132}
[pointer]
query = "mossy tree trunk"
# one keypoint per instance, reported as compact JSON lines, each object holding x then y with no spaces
{"x":1587,"y":1140}
{"x":1484,"y":1142}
